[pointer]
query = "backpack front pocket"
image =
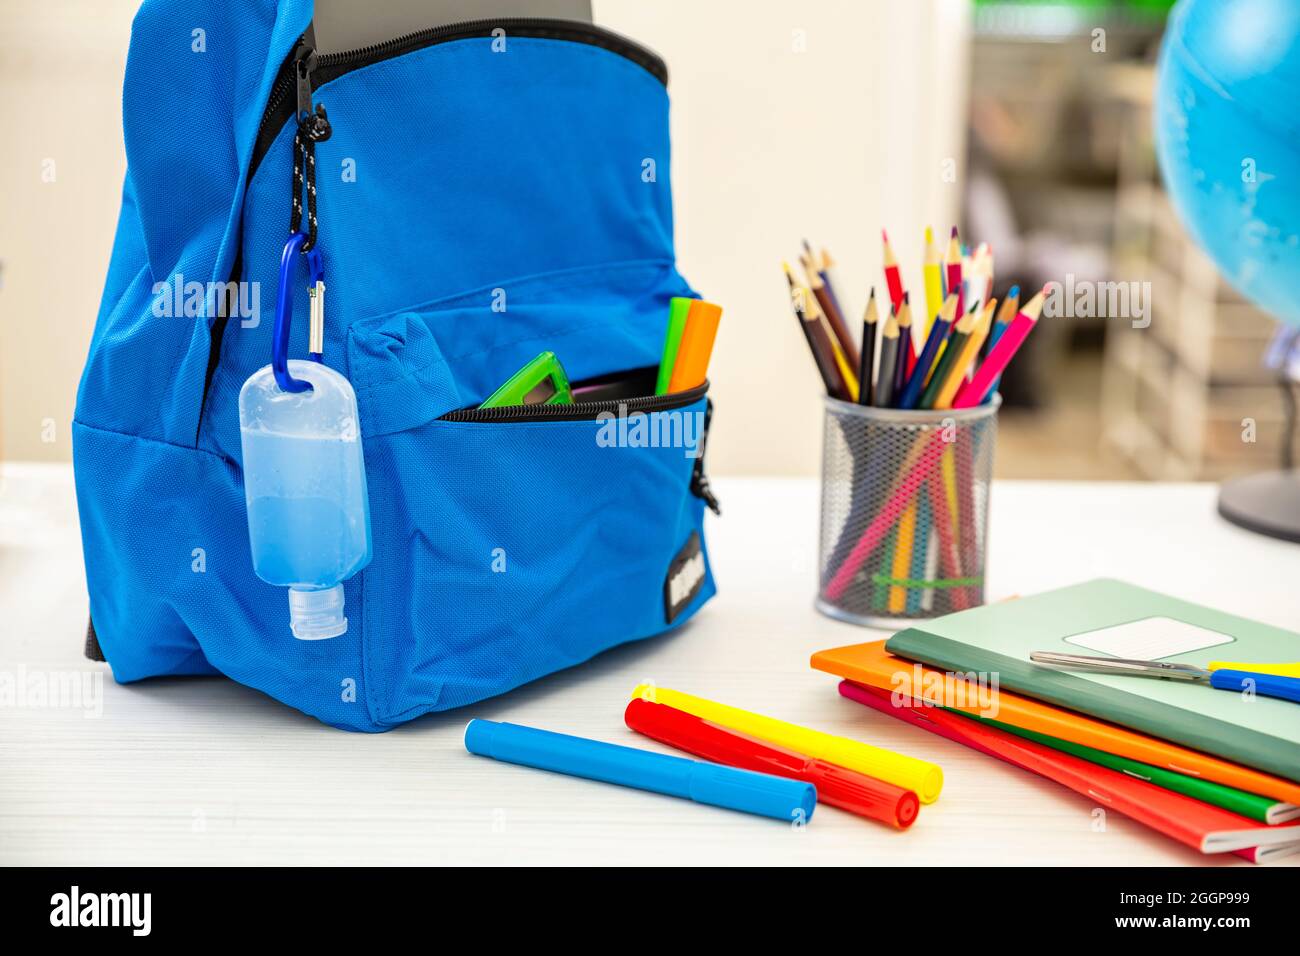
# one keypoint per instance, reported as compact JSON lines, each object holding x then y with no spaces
{"x":512,"y":542}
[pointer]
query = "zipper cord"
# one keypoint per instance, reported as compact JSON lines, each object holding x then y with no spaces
{"x":304,"y":154}
{"x":313,"y":127}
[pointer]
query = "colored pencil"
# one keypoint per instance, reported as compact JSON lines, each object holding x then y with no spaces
{"x":952,"y":263}
{"x":826,"y":268}
{"x":884,"y":390}
{"x":893,"y":278}
{"x":956,"y":345}
{"x":921,"y":541}
{"x":866,"y":367}
{"x":1008,"y":312}
{"x":823,"y":353}
{"x":904,"y":548}
{"x":911,"y":553}
{"x":963,"y":451}
{"x":798,"y":294}
{"x":807,"y":260}
{"x":979,"y":278}
{"x":932,"y":272}
{"x":911,"y":476}
{"x":847,"y":374}
{"x":818,"y":344}
{"x":945,"y":532}
{"x":956,"y":375}
{"x":880,"y":590}
{"x":977,"y":389}
{"x":938,"y":333}
{"x":931,"y":568}
{"x":907,"y":347}
{"x":832,"y":312}
{"x":1010,"y":307}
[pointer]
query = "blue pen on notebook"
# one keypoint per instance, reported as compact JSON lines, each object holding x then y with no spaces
{"x":718,"y":786}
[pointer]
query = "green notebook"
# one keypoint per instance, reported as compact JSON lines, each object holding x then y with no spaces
{"x":1108,"y":617}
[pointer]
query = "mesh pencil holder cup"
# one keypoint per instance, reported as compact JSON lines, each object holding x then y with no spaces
{"x":905,"y":503}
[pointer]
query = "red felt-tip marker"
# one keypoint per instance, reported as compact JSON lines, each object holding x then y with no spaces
{"x":836,"y":785}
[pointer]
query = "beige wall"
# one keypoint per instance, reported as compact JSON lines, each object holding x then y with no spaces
{"x":818,"y":118}
{"x":771,"y":144}
{"x":61,"y":169}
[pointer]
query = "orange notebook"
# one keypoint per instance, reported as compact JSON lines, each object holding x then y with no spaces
{"x":872,"y":665}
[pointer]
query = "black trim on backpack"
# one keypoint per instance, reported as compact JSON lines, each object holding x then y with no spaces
{"x":93,"y":651}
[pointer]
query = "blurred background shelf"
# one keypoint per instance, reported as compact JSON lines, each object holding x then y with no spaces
{"x":1189,"y":397}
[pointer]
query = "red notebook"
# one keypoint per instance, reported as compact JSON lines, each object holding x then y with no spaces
{"x":1203,"y":827}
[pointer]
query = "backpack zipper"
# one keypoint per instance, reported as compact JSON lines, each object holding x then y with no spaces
{"x":579,"y":411}
{"x":330,"y":66}
{"x":700,"y":486}
{"x":590,"y":411}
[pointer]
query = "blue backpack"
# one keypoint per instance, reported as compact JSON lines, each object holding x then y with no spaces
{"x":477,"y":193}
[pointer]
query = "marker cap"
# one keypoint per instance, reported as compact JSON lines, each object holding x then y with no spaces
{"x":758,"y":793}
{"x":865,"y":796}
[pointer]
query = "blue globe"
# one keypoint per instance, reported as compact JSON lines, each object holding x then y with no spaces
{"x":1227,"y":118}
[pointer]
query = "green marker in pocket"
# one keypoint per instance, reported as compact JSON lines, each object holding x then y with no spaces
{"x":678,"y":307}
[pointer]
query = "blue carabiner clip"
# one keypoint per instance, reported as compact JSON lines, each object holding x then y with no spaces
{"x":284,"y":311}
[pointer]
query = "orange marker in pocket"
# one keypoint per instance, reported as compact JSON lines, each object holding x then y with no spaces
{"x":696,"y":347}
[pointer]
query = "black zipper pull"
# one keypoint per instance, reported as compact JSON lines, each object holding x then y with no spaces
{"x":313,"y":123}
{"x":313,"y":128}
{"x":699,"y":480}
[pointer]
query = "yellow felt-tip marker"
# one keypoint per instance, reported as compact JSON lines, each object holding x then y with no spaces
{"x":910,"y":773}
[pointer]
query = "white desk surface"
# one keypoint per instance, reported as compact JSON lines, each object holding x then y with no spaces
{"x":205,"y":771}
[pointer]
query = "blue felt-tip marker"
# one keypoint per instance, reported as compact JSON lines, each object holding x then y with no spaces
{"x":759,"y":793}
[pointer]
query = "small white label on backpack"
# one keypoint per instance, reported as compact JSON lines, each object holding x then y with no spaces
{"x":685,"y":578}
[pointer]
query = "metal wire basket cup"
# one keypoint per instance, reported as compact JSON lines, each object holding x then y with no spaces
{"x":904,"y":518}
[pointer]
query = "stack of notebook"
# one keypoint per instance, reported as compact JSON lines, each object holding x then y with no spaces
{"x":1215,"y":769}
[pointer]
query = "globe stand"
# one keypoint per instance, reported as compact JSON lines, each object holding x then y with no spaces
{"x":1267,"y":503}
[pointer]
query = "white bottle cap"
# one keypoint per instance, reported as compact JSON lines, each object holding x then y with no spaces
{"x":316,"y":615}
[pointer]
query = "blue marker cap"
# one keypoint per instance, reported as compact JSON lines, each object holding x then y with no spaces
{"x":759,"y":793}
{"x":719,"y":786}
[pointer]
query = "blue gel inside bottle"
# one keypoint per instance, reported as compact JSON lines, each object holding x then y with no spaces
{"x":305,"y":485}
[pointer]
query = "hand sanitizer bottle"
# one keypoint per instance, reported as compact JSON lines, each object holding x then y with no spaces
{"x":305,"y":483}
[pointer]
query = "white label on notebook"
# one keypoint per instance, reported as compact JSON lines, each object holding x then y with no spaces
{"x":1149,"y":639}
